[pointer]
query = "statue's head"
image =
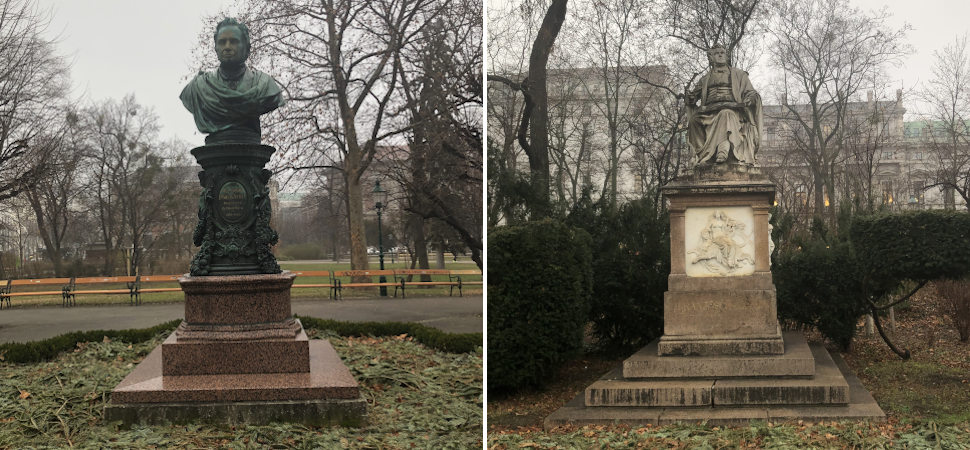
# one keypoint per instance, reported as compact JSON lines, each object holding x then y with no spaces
{"x":717,"y":55}
{"x":231,"y":41}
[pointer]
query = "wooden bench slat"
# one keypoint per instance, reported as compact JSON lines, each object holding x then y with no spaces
{"x":311,"y":273}
{"x":101,"y":291}
{"x":27,"y":294}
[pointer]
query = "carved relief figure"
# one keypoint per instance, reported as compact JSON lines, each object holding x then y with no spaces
{"x":721,"y":249}
{"x":726,"y":125}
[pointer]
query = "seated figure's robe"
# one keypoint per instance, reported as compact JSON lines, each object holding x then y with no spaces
{"x":227,"y":114}
{"x":717,"y":133}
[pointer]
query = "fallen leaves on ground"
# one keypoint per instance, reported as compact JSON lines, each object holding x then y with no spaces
{"x":417,"y":397}
{"x":926,"y":399}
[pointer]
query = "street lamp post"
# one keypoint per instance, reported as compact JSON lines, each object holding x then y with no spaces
{"x":381,"y":196}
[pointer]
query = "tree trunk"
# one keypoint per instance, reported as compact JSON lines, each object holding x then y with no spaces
{"x":355,"y":221}
{"x":538,"y":150}
{"x":420,"y":244}
{"x":440,"y":257}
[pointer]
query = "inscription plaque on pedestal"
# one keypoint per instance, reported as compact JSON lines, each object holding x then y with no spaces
{"x":232,"y":202}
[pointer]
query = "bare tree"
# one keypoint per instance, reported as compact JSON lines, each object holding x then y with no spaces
{"x":605,"y":36}
{"x":129,"y":180}
{"x":700,"y":24}
{"x":533,"y":135}
{"x":33,"y":80}
{"x":827,"y":51}
{"x":868,"y":133}
{"x":52,"y":194}
{"x":441,"y":82}
{"x":947,"y":96}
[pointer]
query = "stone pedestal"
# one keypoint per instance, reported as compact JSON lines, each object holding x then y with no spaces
{"x":720,"y":298}
{"x":723,"y":357}
{"x":239,"y":357}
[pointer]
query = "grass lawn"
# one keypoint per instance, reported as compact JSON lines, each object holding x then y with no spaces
{"x":926,"y":398}
{"x":297,"y":293}
{"x":416,"y":397}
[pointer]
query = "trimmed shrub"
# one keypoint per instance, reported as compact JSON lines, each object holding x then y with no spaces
{"x":47,"y":349}
{"x":827,"y":284}
{"x":920,"y":245}
{"x":540,"y":279}
{"x":631,"y":262}
{"x":430,"y":337}
{"x":300,"y":251}
{"x":819,"y":285}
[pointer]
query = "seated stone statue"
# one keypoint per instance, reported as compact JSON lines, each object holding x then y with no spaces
{"x":227,"y":103}
{"x":726,"y":125}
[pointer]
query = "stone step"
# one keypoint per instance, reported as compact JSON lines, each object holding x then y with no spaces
{"x":797,"y":361}
{"x":828,"y":386}
{"x":860,"y":406}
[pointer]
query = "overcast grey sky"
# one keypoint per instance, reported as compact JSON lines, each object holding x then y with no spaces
{"x":144,"y":46}
{"x":935,"y":24}
{"x":133,"y":46}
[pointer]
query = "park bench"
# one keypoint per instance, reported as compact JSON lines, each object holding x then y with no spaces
{"x":3,"y":293}
{"x":406,"y":277}
{"x":135,"y":290}
{"x":316,"y":273}
{"x":8,"y":291}
{"x":68,"y":297}
{"x":74,"y":286}
{"x":338,"y":280}
{"x":456,"y":277}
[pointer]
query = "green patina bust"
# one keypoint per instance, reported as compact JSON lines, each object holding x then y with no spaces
{"x":233,"y":232}
{"x":227,"y":102}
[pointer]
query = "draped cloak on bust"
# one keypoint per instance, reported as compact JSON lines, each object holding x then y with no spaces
{"x":231,"y":115}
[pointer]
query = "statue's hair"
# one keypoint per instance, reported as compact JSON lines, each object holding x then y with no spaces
{"x":231,"y":22}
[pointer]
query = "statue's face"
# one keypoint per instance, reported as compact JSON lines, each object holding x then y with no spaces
{"x":718,"y":57}
{"x":230,"y":47}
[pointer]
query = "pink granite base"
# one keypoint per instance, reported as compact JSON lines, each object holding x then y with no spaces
{"x":326,"y":395}
{"x":237,"y":299}
{"x":328,"y":378}
{"x":238,"y":356}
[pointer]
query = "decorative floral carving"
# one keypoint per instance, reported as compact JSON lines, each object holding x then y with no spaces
{"x":722,"y":245}
{"x":245,"y":244}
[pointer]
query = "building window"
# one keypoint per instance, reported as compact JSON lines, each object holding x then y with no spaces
{"x":918,"y":156}
{"x":887,"y":155}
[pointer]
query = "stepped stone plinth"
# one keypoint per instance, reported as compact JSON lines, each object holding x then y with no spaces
{"x":722,"y":358}
{"x":239,"y":357}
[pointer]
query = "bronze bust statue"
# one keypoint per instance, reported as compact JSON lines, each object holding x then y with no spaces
{"x":725,"y":127}
{"x":227,"y":103}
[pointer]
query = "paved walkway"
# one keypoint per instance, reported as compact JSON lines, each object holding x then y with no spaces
{"x":451,"y":314}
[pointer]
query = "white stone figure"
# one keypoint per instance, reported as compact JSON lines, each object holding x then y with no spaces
{"x":722,"y":245}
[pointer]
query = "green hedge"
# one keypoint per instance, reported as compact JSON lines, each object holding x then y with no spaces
{"x":47,"y":349}
{"x":540,"y":280}
{"x":820,"y":285}
{"x":826,"y":283}
{"x":430,"y":337}
{"x":631,"y":262}
{"x":920,"y":245}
